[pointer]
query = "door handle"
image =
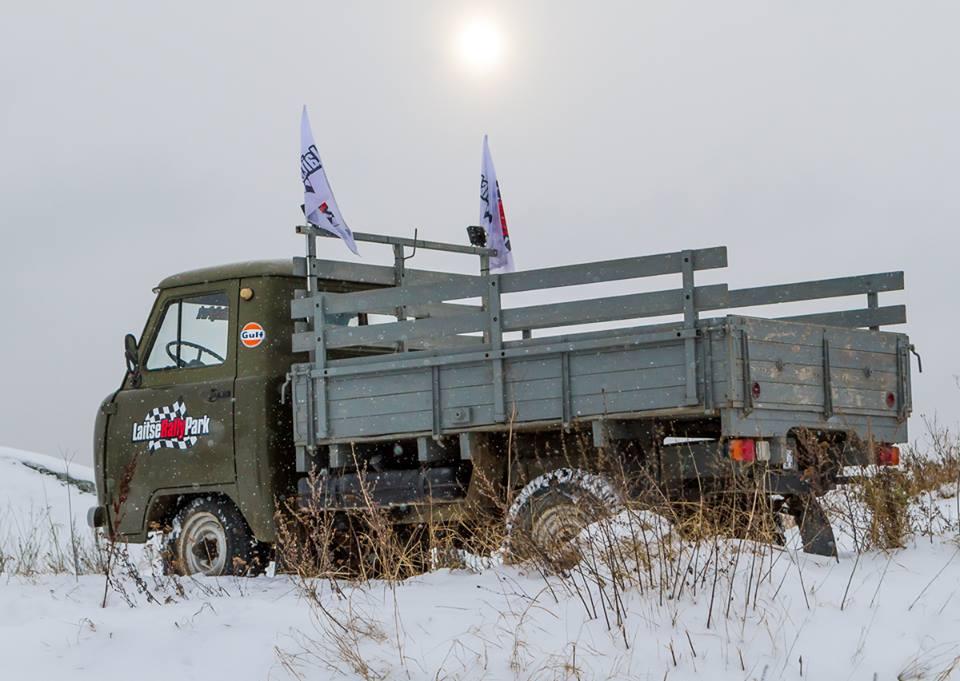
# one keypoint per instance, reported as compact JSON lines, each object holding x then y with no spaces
{"x":217,"y":394}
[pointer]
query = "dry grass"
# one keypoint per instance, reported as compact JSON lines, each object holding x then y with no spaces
{"x":886,"y":496}
{"x":887,"y":506}
{"x":33,"y":542}
{"x":937,"y":468}
{"x":368,"y":543}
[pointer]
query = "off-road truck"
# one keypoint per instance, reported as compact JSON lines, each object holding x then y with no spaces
{"x":346,"y":385}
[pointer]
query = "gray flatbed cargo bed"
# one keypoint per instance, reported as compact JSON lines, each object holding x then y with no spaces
{"x":443,"y":368}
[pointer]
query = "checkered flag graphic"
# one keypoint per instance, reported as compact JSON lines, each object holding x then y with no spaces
{"x":177,"y":410}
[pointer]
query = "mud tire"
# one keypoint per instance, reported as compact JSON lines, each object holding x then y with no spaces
{"x":545,"y":521}
{"x":210,"y":537}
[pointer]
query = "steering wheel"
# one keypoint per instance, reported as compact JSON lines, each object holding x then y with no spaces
{"x":190,"y":344}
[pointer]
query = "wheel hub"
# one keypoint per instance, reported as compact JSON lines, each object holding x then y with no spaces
{"x":555,"y":532}
{"x":204,"y":545}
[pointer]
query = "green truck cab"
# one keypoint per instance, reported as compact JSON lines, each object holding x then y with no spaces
{"x":201,"y":417}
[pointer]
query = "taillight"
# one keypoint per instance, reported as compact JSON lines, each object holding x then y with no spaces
{"x":887,"y":455}
{"x":743,"y":450}
{"x":748,"y":451}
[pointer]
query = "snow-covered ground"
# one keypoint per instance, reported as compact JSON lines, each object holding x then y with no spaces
{"x":882,"y":616}
{"x":39,"y":511}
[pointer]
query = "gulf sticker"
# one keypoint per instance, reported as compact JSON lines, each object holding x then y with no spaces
{"x":252,"y":334}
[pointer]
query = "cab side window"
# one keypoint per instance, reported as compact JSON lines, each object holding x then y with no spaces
{"x":194,"y":333}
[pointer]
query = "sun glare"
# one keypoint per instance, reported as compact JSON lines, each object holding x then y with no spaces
{"x":480,"y":44}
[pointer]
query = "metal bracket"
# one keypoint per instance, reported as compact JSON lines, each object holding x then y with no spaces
{"x":913,"y":349}
{"x":827,"y":381}
{"x":430,"y":450}
{"x":435,"y":390}
{"x":320,"y":362}
{"x":690,"y":324}
{"x":461,"y":416}
{"x":873,"y":302}
{"x":903,"y":369}
{"x":706,"y":355}
{"x":302,"y":405}
{"x":492,"y":308}
{"x":747,"y":380}
{"x":338,"y":455}
{"x":567,"y":407}
{"x":470,"y":443}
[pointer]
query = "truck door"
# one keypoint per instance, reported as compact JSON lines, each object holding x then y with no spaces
{"x":174,"y":432}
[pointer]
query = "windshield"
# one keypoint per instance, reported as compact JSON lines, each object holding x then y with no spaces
{"x":194,"y":333}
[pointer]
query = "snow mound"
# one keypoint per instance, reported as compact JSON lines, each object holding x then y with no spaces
{"x":43,"y":506}
{"x":43,"y":462}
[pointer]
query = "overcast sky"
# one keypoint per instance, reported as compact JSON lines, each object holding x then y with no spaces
{"x":142,"y":139}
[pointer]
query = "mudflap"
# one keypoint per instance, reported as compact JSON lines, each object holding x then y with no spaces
{"x":815,"y":530}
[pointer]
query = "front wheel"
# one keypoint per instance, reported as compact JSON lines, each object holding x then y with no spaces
{"x":210,"y":537}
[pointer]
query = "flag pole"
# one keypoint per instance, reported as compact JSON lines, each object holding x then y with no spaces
{"x":311,"y":256}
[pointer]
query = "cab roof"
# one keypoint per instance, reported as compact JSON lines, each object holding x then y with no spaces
{"x":237,"y":270}
{"x":354,"y":276}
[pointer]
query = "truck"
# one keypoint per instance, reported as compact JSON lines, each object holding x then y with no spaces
{"x":349,"y":386}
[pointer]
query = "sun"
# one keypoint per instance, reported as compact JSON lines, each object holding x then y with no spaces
{"x":480,"y":44}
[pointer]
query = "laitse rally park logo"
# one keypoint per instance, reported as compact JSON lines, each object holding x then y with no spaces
{"x":170,"y":427}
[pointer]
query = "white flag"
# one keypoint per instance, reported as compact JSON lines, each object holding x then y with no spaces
{"x":319,"y":206}
{"x":492,"y":216}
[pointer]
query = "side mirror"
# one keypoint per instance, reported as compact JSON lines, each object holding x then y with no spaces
{"x":133,"y":358}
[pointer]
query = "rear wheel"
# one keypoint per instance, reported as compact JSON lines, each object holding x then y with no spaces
{"x":550,"y":513}
{"x":210,"y":537}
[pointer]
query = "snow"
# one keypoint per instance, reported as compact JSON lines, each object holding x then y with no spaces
{"x":50,"y":463}
{"x":899,"y":616}
{"x":39,"y":511}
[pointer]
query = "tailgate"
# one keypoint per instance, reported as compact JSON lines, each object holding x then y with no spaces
{"x":820,"y":377}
